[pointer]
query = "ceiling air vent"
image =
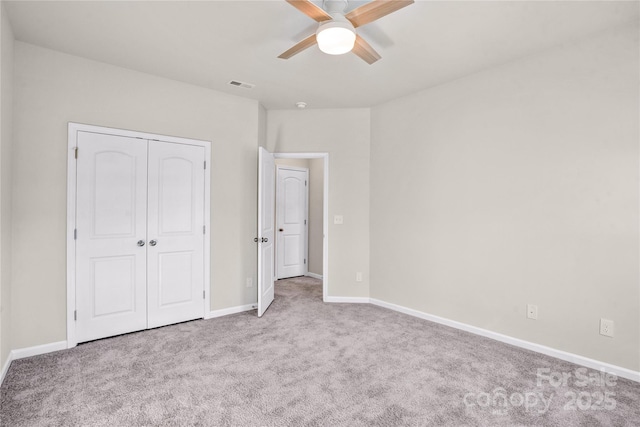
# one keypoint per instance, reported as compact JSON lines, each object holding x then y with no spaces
{"x":241,"y":84}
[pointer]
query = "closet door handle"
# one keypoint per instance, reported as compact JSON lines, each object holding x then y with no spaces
{"x":140,"y":242}
{"x":153,"y":242}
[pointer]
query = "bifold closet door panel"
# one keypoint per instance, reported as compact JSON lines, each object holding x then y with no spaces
{"x":175,"y":252}
{"x":111,"y":224}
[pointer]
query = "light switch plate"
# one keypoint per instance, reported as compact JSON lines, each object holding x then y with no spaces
{"x":338,"y":219}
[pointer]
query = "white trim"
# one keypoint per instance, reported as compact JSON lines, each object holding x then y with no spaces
{"x":538,"y":348}
{"x":73,"y":129}
{"x":207,"y":229}
{"x":231,"y":310}
{"x":314,"y":275}
{"x":5,"y":368}
{"x":37,"y":350}
{"x":71,"y":225}
{"x":349,"y":300}
{"x":325,"y":213}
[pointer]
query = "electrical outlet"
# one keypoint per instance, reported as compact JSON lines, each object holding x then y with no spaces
{"x":249,"y":282}
{"x":606,"y":327}
{"x":532,"y":311}
{"x":338,"y":219}
{"x":359,"y":276}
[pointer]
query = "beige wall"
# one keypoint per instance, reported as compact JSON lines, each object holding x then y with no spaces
{"x":345,"y":135}
{"x":52,"y":89}
{"x":316,"y":214}
{"x":517,"y":185}
{"x":316,"y":186}
{"x":6,"y":141}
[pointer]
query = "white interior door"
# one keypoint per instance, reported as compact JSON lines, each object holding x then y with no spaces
{"x":291,"y":208}
{"x":111,"y":224}
{"x":266,"y":212}
{"x":175,"y":252}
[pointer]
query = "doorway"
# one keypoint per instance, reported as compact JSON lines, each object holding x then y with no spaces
{"x":266,"y":223}
{"x":318,"y":213}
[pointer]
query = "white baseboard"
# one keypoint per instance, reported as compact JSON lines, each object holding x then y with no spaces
{"x":350,"y":300}
{"x":21,"y":353}
{"x":5,"y":368}
{"x":538,"y":348}
{"x":37,"y":350}
{"x":231,"y":310}
{"x":314,"y":275}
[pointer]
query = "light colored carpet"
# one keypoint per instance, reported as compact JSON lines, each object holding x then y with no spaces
{"x":305,"y":363}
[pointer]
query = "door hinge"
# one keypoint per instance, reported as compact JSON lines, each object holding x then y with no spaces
{"x":205,"y":164}
{"x":75,"y":234}
{"x":204,"y":229}
{"x":305,"y":182}
{"x":75,"y":314}
{"x":305,"y":260}
{"x":305,"y":222}
{"x":76,"y":152}
{"x":203,"y":297}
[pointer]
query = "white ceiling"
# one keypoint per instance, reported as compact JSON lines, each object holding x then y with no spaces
{"x":209,"y":43}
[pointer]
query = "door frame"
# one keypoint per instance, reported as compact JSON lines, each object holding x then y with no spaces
{"x":306,"y":215}
{"x":325,"y":212}
{"x":73,"y":129}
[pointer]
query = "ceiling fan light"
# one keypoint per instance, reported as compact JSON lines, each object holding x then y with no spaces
{"x":336,"y":37}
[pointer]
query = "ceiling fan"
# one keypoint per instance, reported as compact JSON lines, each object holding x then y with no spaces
{"x":336,"y":32}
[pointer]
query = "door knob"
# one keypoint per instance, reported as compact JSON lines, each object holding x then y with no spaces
{"x":265,"y":240}
{"x":281,"y":229}
{"x":153,"y":242}
{"x":140,"y":242}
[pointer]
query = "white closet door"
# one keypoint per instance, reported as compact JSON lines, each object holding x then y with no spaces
{"x":175,"y":252}
{"x":111,"y":224}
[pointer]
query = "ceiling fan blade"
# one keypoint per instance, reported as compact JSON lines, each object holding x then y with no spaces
{"x":374,"y":10}
{"x":299,"y":47}
{"x":311,"y":10}
{"x":365,"y":51}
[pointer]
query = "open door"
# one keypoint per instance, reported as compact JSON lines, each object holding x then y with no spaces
{"x":266,"y":223}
